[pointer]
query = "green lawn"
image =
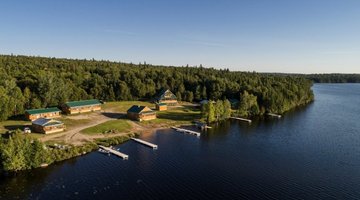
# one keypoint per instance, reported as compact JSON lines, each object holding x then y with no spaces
{"x":69,"y":123}
{"x":123,"y":106}
{"x":185,"y":115}
{"x":119,"y":125}
{"x":13,"y":125}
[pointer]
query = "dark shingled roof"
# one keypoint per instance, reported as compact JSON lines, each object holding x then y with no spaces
{"x":136,"y":109}
{"x":42,"y":110}
{"x":83,"y":103}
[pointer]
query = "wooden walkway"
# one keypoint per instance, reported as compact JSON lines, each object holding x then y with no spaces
{"x":154,"y":146}
{"x":113,"y":151}
{"x":241,"y":119}
{"x":274,"y":115}
{"x":186,"y":131}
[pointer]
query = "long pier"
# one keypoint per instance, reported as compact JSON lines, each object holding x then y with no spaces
{"x":274,"y":115}
{"x":154,"y":146}
{"x":117,"y":153}
{"x":241,"y":119}
{"x":186,"y":131}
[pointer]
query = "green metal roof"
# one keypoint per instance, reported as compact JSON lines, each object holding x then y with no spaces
{"x":83,"y":103}
{"x":42,"y":110}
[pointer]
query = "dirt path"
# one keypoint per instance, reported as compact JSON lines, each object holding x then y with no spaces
{"x":73,"y":135}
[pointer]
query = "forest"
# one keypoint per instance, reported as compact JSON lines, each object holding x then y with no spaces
{"x":334,"y":78}
{"x":28,"y":82}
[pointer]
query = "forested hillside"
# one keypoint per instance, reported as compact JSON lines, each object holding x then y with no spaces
{"x":334,"y":78}
{"x":35,"y":82}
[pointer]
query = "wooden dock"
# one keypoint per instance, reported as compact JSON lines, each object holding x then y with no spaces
{"x":241,"y":119}
{"x":115,"y":152}
{"x":186,"y":131}
{"x":154,"y":146}
{"x":274,"y":115}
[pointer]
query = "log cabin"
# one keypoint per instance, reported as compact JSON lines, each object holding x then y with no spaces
{"x":75,"y":107}
{"x":167,"y":97}
{"x":161,"y":106}
{"x":44,"y":125}
{"x":42,"y":113}
{"x":141,"y":113}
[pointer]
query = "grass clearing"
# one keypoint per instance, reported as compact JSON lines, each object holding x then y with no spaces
{"x":70,"y":123}
{"x":9,"y":125}
{"x":123,"y":106}
{"x":119,"y":125}
{"x":176,"y":116}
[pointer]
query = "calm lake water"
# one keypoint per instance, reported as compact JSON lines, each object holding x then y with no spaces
{"x":310,"y":153}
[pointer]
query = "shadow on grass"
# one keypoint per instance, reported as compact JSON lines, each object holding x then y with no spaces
{"x":179,"y":116}
{"x":114,"y":115}
{"x":15,"y":127}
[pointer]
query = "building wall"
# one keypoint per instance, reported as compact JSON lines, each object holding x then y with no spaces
{"x":48,"y":129}
{"x":81,"y":109}
{"x":169,"y":102}
{"x":140,"y":117}
{"x":42,"y":115}
{"x":161,"y":107}
{"x":147,"y":117}
{"x":133,"y":116}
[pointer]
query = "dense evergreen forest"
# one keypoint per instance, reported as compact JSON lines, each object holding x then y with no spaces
{"x":334,"y":78}
{"x":34,"y":82}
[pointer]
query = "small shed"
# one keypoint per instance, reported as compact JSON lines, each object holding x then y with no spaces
{"x":141,"y":113}
{"x":45,"y":125}
{"x":83,"y":106}
{"x":42,"y":113}
{"x":161,"y":106}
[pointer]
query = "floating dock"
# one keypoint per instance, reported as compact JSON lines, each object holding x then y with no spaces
{"x":274,"y":115}
{"x":186,"y":131}
{"x":154,"y":146}
{"x":113,"y":151}
{"x":241,"y":119}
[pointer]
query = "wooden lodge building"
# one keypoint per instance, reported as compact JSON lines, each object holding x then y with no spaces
{"x":141,"y":113}
{"x":42,"y":113}
{"x":161,"y":106}
{"x":167,"y":97}
{"x":44,"y":125}
{"x":75,"y":107}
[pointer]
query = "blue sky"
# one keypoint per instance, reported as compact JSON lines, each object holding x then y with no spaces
{"x":307,"y":36}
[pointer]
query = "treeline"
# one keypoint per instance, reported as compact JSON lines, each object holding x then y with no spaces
{"x":334,"y":78}
{"x":215,"y":111}
{"x":36,"y":82}
{"x":21,"y":152}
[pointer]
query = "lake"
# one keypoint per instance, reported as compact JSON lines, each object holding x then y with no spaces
{"x":312,"y":152}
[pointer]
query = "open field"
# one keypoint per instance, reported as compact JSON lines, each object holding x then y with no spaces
{"x":115,"y":126}
{"x":123,"y":106}
{"x":175,"y":116}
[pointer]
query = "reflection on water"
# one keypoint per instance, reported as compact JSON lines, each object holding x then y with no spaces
{"x":312,"y":152}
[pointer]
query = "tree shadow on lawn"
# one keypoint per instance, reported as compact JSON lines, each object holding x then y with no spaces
{"x":114,"y":115}
{"x":15,"y":127}
{"x":179,"y":116}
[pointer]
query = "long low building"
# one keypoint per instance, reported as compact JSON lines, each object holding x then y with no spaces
{"x":141,"y":113}
{"x":44,"y":125}
{"x":75,"y":107}
{"x":42,"y":113}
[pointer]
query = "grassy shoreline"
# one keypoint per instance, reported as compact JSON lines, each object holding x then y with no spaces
{"x":111,"y":132}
